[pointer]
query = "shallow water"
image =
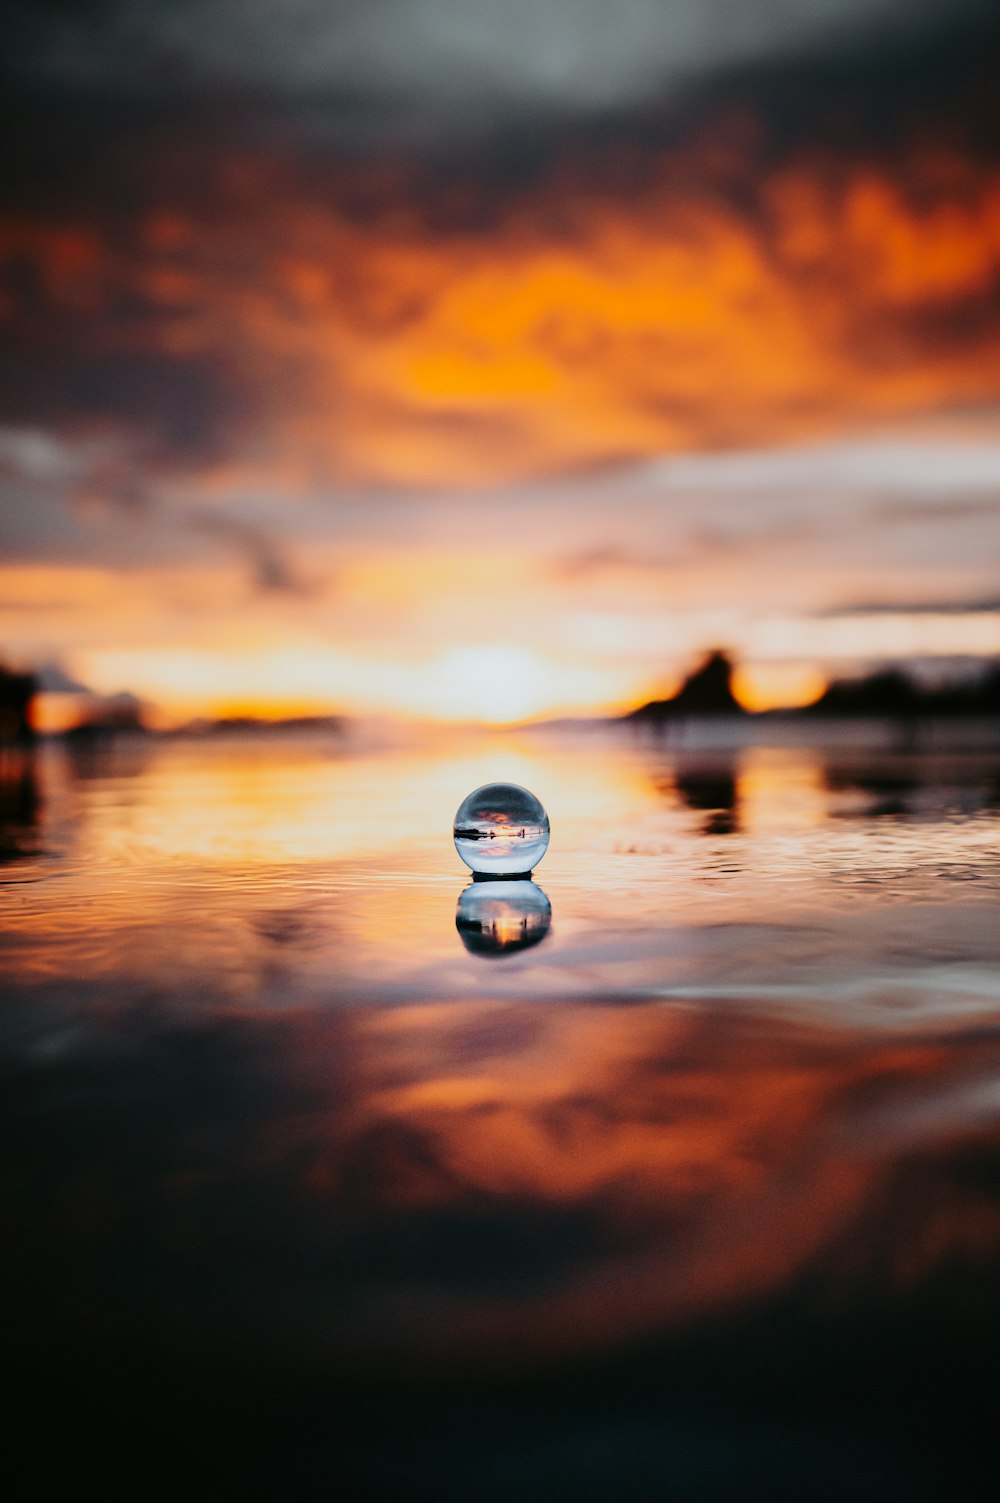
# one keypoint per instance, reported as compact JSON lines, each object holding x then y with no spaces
{"x":679,"y":1179}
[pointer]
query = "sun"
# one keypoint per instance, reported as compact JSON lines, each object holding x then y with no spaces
{"x":491,"y":684}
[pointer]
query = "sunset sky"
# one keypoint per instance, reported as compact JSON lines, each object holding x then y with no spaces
{"x":493,"y":360}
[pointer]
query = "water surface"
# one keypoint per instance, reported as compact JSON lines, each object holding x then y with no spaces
{"x":678,"y":1180}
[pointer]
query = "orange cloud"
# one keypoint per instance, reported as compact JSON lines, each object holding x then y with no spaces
{"x":412,"y":343}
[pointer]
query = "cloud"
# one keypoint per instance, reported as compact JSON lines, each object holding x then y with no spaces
{"x":310,"y":327}
{"x":977,"y":606}
{"x":264,"y":317}
{"x":215,"y":281}
{"x":99,"y":503}
{"x":437,"y":55}
{"x":53,"y":679}
{"x":272,"y":572}
{"x":605,"y":557}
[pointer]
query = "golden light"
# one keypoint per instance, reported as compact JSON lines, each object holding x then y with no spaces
{"x":54,"y":713}
{"x":489,"y":684}
{"x":777,"y":686}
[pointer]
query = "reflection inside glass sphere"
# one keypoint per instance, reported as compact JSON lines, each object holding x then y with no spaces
{"x":501,"y":830}
{"x":497,"y":918}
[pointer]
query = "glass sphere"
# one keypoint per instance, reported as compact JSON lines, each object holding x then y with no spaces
{"x":501,"y":830}
{"x":498,"y":918}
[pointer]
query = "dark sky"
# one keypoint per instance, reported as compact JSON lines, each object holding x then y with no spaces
{"x":573,"y":55}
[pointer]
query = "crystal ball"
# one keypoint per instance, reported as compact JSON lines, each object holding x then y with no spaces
{"x":499,"y":918}
{"x":501,"y":830}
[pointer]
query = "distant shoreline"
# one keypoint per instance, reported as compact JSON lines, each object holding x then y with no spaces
{"x":692,"y":733}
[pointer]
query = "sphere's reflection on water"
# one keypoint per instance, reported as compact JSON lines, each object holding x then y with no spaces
{"x":498,"y":918}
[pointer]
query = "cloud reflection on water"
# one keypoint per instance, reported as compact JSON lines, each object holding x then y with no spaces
{"x":724,"y":1145}
{"x":491,"y":1183}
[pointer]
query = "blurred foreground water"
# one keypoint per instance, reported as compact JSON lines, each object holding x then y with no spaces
{"x":678,"y":1178}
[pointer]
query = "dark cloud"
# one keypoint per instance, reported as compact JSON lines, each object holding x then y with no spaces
{"x":272,"y":573}
{"x":61,"y":504}
{"x":45,"y":521}
{"x":436,"y":55}
{"x":213,"y":275}
{"x":949,"y":511}
{"x":85,"y":342}
{"x":981,"y":605}
{"x":53,"y":679}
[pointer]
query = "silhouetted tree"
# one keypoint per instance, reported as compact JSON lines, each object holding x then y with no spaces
{"x":17,"y":692}
{"x":890,"y":693}
{"x":120,"y":712}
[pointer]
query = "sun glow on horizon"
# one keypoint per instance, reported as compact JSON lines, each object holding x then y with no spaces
{"x":488,"y":684}
{"x":778,"y":686}
{"x":494,"y":685}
